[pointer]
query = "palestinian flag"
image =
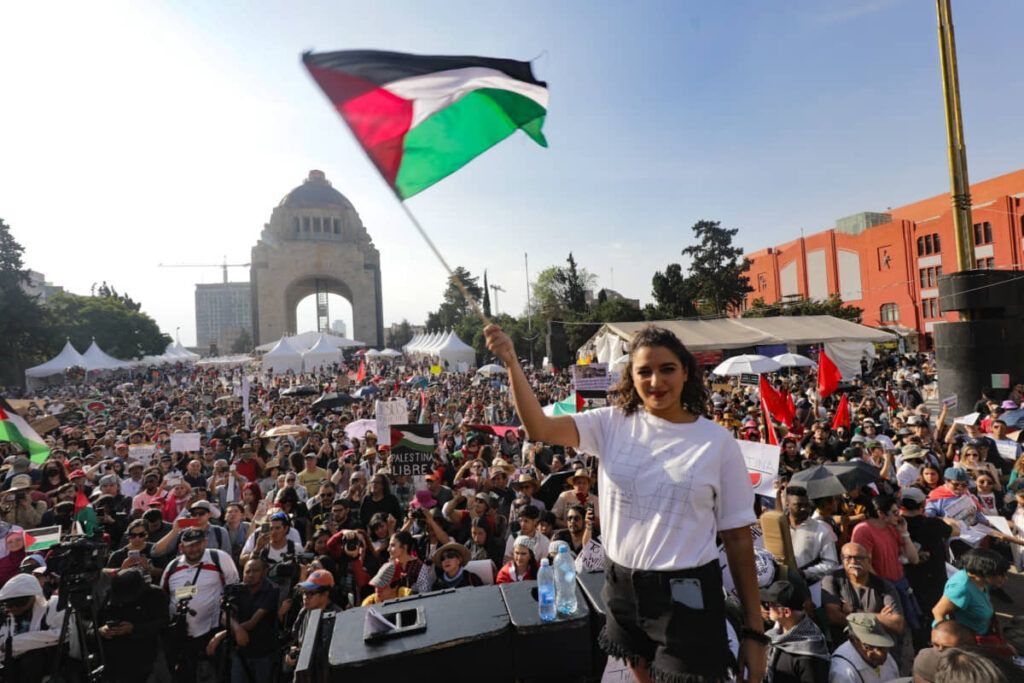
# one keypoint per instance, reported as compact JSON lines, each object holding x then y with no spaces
{"x":41,"y":539}
{"x":418,"y":438}
{"x":421,"y":118}
{"x":14,"y":429}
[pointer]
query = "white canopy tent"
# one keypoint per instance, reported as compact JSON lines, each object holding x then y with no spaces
{"x":438,"y":341}
{"x":391,"y":353}
{"x":283,"y":358}
{"x":411,"y":346}
{"x":306,"y":340}
{"x":455,"y":354}
{"x":68,"y":358}
{"x":97,"y":359}
{"x":321,"y":355}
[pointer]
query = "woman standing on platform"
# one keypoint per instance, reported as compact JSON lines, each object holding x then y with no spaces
{"x":670,"y":479}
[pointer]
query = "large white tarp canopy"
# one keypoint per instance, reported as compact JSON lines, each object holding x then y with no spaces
{"x":455,"y":354}
{"x":97,"y":359}
{"x":283,"y":358}
{"x":321,"y":355}
{"x":612,"y":339}
{"x":69,"y":357}
{"x":306,"y":340}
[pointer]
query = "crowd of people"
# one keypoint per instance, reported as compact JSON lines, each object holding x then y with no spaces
{"x":212,"y":559}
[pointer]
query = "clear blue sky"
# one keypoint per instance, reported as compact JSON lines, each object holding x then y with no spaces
{"x":139,"y":132}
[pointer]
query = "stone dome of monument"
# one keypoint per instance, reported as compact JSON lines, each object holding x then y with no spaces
{"x":315,"y":192}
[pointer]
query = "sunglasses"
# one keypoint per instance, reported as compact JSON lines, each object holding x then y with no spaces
{"x":140,"y":534}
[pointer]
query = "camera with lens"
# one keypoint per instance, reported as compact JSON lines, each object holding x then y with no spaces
{"x":352,"y":543}
{"x":419,"y":515}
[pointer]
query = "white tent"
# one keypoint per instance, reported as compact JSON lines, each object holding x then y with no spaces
{"x":455,"y":354}
{"x":321,"y":355}
{"x":68,"y":358}
{"x":390,"y":353}
{"x":373,"y":353}
{"x":411,"y":346}
{"x":438,"y":341}
{"x":306,"y":340}
{"x":185,"y":353}
{"x":97,"y":359}
{"x":282,"y":358}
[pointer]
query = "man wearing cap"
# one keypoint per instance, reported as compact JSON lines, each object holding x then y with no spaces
{"x":869,"y":429}
{"x":386,"y":585}
{"x":312,"y":474}
{"x":316,"y":595}
{"x":953,"y":500}
{"x":17,"y":506}
{"x":150,"y":492}
{"x":441,"y":493}
{"x":864,"y":658}
{"x":204,"y":572}
{"x":579,"y":494}
{"x":253,"y":626}
{"x":200,"y":514}
{"x":528,"y":485}
{"x":110,"y":485}
{"x":798,"y":652}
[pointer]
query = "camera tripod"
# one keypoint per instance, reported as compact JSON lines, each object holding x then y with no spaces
{"x":229,"y":609}
{"x":79,"y":605}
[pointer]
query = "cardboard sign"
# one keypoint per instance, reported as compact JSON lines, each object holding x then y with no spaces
{"x":591,"y":558}
{"x":387,"y":413}
{"x":1008,"y":449}
{"x":45,"y":424}
{"x":950,"y":401}
{"x":412,"y":448}
{"x":142,"y":452}
{"x":591,"y":377}
{"x":184,"y":442}
{"x":763,"y":465}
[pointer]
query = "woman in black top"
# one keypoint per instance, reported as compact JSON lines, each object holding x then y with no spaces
{"x":380,"y":500}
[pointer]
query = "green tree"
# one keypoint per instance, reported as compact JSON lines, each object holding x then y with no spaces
{"x":673,"y":294}
{"x":833,"y":306}
{"x":560,"y":293}
{"x":243,"y":342}
{"x":454,"y":306}
{"x":716,"y":268}
{"x":24,"y":341}
{"x":120,"y":330}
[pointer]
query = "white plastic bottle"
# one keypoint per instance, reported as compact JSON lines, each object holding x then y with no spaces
{"x":546,"y":591}
{"x":565,"y":582}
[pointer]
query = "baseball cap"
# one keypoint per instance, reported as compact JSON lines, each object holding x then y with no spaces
{"x":192,"y":535}
{"x":913,"y":493}
{"x":201,"y":505}
{"x":955,"y":474}
{"x":783,"y":593}
{"x":318,"y":580}
{"x":77,"y":474}
{"x":868,"y":629}
{"x":108,"y":480}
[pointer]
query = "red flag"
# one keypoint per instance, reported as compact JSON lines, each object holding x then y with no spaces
{"x":769,"y":428}
{"x":773,"y":403}
{"x":81,"y":501}
{"x":361,"y":375}
{"x":890,"y":398}
{"x":828,"y":375}
{"x":842,"y":418}
{"x":579,"y":402}
{"x":791,"y":408}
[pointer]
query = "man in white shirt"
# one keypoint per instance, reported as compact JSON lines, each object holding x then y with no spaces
{"x":870,"y":431}
{"x":205,"y":572}
{"x":814,"y":546}
{"x":865,"y":657}
{"x":528,"y":518}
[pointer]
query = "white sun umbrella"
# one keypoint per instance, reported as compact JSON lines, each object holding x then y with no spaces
{"x":747,"y":364}
{"x":373,"y":353}
{"x":390,"y":353}
{"x":491,"y":369}
{"x":794,"y":360}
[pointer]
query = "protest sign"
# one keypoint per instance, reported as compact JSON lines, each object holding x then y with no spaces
{"x":762,"y":464}
{"x":184,"y":442}
{"x":387,"y":413}
{"x":45,"y":424}
{"x":950,"y":401}
{"x":591,"y":558}
{"x":591,"y":377}
{"x":141,"y":452}
{"x":412,"y":448}
{"x":1010,"y":450}
{"x":749,"y":379}
{"x":970,"y":419}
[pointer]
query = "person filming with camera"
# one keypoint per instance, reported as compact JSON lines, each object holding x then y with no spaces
{"x":194,"y":582}
{"x":252,"y":606}
{"x":29,"y":629}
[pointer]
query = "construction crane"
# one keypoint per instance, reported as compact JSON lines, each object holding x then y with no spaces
{"x":496,"y":288}
{"x":225,"y":265}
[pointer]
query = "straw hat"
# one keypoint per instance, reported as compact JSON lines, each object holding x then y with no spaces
{"x":580,"y":473}
{"x":462,"y":550}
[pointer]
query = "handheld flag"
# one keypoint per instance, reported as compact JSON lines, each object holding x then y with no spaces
{"x":774,"y":403}
{"x":361,"y":375}
{"x":828,"y":375}
{"x":842,"y":418}
{"x":420,"y":118}
{"x":14,"y":429}
{"x":769,"y":428}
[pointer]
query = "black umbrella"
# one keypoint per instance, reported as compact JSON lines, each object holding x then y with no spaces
{"x":301,"y":390}
{"x":553,"y":486}
{"x":332,"y":400}
{"x":835,"y":478}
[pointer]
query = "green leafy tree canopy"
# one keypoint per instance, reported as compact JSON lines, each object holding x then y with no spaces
{"x":717,"y":268}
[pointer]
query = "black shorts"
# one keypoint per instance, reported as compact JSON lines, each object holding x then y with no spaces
{"x":674,"y":620}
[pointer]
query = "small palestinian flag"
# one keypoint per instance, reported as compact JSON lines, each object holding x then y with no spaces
{"x":414,"y":437}
{"x":42,"y":538}
{"x":14,"y":429}
{"x":96,"y":407}
{"x":421,"y":118}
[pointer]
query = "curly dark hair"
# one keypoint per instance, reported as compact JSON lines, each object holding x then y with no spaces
{"x":694,"y":395}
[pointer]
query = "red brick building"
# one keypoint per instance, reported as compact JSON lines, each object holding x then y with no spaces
{"x":888,"y":263}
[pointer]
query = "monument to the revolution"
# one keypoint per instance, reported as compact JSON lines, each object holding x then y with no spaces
{"x":315,"y":243}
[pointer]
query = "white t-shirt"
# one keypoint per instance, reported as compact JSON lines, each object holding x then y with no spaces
{"x":666,"y":488}
{"x":209,"y":584}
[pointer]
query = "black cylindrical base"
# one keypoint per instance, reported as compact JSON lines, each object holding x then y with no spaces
{"x":968,"y":354}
